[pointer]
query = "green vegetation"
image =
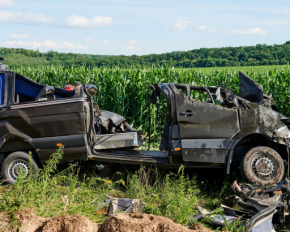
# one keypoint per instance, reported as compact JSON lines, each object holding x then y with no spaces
{"x":124,"y":91}
{"x":203,"y":57}
{"x":172,"y":195}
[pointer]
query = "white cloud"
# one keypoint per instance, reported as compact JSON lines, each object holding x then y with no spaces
{"x":19,"y":35}
{"x":24,"y":18}
{"x":132,"y":41}
{"x":201,"y":28}
{"x":287,"y":12}
{"x":6,"y":3}
{"x":252,"y":31}
{"x":105,"y":41}
{"x":59,"y":32}
{"x":212,"y":30}
{"x":80,"y":21}
{"x":88,"y":40}
{"x":130,"y":48}
{"x":46,"y":44}
{"x":181,"y":24}
{"x":227,"y":32}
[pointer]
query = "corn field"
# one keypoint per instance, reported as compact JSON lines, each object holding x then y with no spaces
{"x":124,"y":91}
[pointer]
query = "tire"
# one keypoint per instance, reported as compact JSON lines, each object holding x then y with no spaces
{"x":14,"y":163}
{"x":262,"y":165}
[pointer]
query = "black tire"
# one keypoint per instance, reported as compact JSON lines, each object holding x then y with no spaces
{"x":14,"y":163}
{"x":262,"y":165}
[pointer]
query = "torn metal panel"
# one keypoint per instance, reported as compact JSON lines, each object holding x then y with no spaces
{"x":249,"y":89}
{"x":106,"y":115}
{"x":217,"y":221}
{"x":262,"y":221}
{"x":111,"y":141}
{"x":262,"y":117}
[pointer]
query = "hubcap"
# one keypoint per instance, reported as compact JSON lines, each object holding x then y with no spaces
{"x":264,"y":167}
{"x":16,"y":167}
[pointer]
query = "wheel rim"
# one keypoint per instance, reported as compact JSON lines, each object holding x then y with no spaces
{"x":15,"y":168}
{"x":264,"y":167}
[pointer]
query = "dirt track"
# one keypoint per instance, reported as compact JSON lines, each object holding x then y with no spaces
{"x":30,"y":222}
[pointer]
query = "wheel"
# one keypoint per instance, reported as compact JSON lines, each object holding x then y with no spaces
{"x":262,"y":165}
{"x":14,"y":163}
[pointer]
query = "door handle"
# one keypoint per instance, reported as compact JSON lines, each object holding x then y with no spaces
{"x":187,"y":113}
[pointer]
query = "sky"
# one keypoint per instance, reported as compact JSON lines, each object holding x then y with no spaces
{"x":127,"y":27}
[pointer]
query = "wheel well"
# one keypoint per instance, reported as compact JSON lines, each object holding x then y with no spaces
{"x":13,"y":145}
{"x":257,"y":140}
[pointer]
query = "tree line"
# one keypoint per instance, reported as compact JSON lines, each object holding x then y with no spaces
{"x":203,"y":57}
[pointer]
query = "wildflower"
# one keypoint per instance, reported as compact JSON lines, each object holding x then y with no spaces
{"x":108,"y":182}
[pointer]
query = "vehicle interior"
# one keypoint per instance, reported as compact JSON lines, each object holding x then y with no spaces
{"x":27,"y":90}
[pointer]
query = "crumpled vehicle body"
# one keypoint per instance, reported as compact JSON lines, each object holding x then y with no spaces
{"x":269,"y":203}
{"x":202,"y":127}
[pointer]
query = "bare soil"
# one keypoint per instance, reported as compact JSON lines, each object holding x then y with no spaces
{"x":28,"y":221}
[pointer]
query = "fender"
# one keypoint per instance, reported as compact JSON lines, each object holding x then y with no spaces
{"x":7,"y":132}
{"x":270,"y":135}
{"x":15,"y":135}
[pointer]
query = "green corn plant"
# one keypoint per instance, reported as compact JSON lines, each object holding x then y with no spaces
{"x":124,"y":91}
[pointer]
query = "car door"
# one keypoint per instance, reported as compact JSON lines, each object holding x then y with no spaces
{"x":206,"y":129}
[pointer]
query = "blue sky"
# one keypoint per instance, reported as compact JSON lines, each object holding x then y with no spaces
{"x":115,"y":27}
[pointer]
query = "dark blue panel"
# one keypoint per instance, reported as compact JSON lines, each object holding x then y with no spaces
{"x":2,"y":88}
{"x":29,"y":88}
{"x":26,"y":89}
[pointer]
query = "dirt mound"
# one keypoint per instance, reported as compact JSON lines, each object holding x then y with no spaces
{"x":69,"y":223}
{"x":4,"y":221}
{"x":30,"y":222}
{"x":142,"y":223}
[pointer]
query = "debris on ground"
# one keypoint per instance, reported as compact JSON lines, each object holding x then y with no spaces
{"x":116,"y":205}
{"x":217,"y":220}
{"x":261,"y":207}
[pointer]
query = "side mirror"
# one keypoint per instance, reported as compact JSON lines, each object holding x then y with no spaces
{"x":47,"y":90}
{"x":92,"y":89}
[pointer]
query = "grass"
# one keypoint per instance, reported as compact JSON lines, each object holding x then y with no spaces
{"x":169,"y":194}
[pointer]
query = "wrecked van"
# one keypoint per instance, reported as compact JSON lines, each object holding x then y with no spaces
{"x":205,"y":127}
